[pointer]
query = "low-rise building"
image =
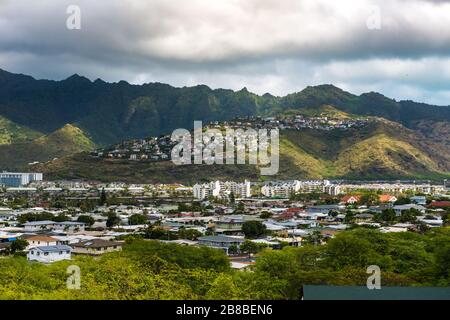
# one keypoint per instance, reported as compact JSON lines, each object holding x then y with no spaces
{"x":49,"y":254}
{"x":220,"y":242}
{"x":96,"y":247}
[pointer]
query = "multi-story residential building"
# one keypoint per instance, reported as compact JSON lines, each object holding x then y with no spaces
{"x":222,"y":189}
{"x":332,"y":189}
{"x":396,"y":188}
{"x":285,"y":189}
{"x":17,"y":179}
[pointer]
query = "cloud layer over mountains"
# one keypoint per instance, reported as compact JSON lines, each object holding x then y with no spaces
{"x":397,"y":47}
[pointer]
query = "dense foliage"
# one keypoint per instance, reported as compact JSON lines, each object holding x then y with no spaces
{"x":155,"y":270}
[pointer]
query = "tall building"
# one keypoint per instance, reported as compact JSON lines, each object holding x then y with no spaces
{"x":222,"y":189}
{"x":17,"y":179}
{"x":332,"y":189}
{"x":285,"y":189}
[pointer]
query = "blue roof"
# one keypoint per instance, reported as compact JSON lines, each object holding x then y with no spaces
{"x":220,"y":239}
{"x":71,"y":223}
{"x":53,"y":248}
{"x":38,"y":223}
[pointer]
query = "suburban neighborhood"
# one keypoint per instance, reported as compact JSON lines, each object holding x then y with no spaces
{"x":56,"y":220}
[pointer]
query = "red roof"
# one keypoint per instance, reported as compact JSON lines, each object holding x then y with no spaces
{"x":385,"y":197}
{"x":440,"y":204}
{"x":348,"y":197}
{"x":293,"y":210}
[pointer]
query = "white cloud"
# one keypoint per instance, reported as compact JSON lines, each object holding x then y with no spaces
{"x":266,"y":45}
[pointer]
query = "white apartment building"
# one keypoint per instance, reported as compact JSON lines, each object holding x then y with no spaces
{"x":287,"y":188}
{"x":396,"y":187}
{"x":18,"y":179}
{"x":222,"y":189}
{"x":332,"y":189}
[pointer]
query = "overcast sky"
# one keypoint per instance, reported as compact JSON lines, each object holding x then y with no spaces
{"x":400,"y":48}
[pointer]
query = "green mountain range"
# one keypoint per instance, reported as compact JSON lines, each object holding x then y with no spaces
{"x":382,"y":150}
{"x":43,"y":119}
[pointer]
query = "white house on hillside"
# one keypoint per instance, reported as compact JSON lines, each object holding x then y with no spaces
{"x":49,"y":254}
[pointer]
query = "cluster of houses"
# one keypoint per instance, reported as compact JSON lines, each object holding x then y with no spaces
{"x":218,"y":225}
{"x":159,"y":148}
{"x":50,"y":241}
{"x":293,"y":122}
{"x":92,"y":189}
{"x":151,"y":149}
{"x":217,"y":221}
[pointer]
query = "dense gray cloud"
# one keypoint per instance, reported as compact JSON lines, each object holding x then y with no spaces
{"x":264,"y":45}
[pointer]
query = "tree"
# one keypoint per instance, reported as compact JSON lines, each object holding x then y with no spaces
{"x":189,"y":234}
{"x":265,"y":215}
{"x":233,"y":249}
{"x":102,"y":197}
{"x":240,"y":208}
{"x":232,"y":199}
{"x":333,"y":213}
{"x":87,"y":205}
{"x":409,"y":215}
{"x":61,"y":218}
{"x":249,"y":247}
{"x":18,"y":245}
{"x":223,"y":288}
{"x":402,"y":200}
{"x":253,"y":229}
{"x":86,"y":219}
{"x":443,"y":261}
{"x":388,"y":215}
{"x":313,"y":238}
{"x":349,"y":217}
{"x":369,"y":198}
{"x":113,"y":220}
{"x":349,"y":250}
{"x":136,"y":219}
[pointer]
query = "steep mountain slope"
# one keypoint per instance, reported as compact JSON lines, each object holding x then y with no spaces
{"x":384,"y":156}
{"x":381,"y":150}
{"x":64,"y":141}
{"x":405,"y":139}
{"x":110,"y":112}
{"x":11,"y":132}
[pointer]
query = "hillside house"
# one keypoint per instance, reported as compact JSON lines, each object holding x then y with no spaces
{"x":49,"y":254}
{"x":96,"y":247}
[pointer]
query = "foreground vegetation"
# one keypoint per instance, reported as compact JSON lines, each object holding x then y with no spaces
{"x":155,"y":270}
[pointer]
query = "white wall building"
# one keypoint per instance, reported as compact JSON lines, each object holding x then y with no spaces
{"x":17,"y":179}
{"x":49,"y":254}
{"x":285,"y":189}
{"x":222,"y":189}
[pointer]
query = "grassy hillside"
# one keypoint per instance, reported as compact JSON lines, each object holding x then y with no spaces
{"x":111,"y":112}
{"x":11,"y":132}
{"x":64,"y":141}
{"x":382,"y":150}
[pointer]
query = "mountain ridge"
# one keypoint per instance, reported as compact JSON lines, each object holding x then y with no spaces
{"x":100,"y":108}
{"x":76,"y":114}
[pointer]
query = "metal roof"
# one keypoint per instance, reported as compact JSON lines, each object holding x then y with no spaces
{"x":53,"y":248}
